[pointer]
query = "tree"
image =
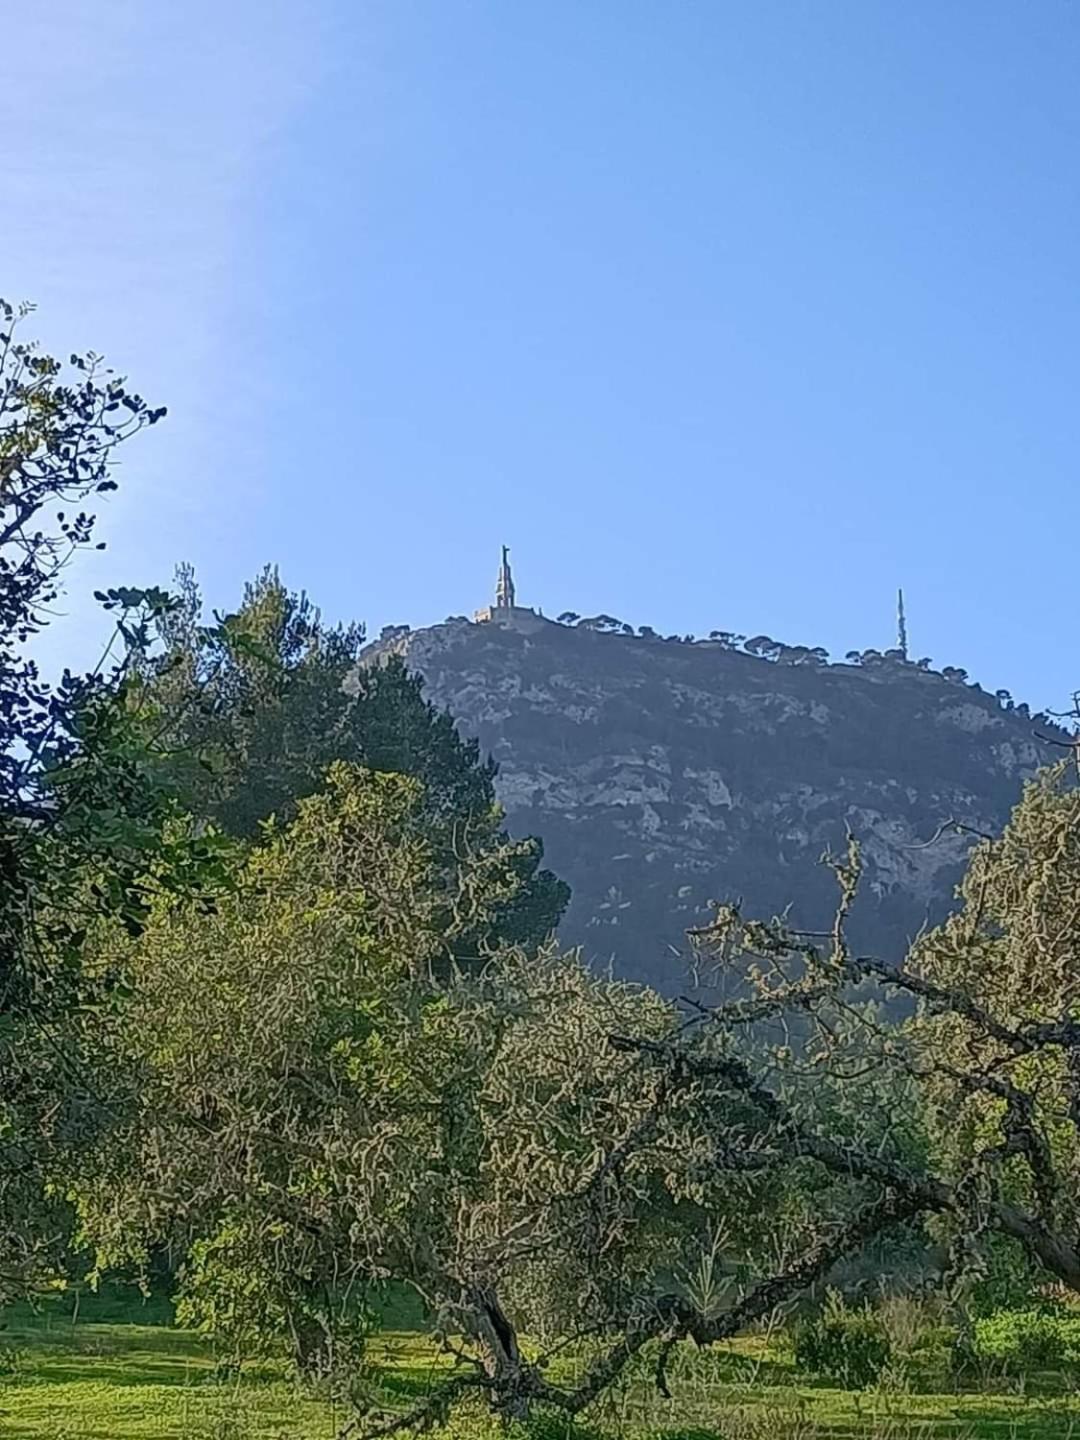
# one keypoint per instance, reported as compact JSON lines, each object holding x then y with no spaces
{"x":84,"y":835}
{"x":309,"y":1101}
{"x":253,"y":707}
{"x":59,"y":748}
{"x":604,"y":624}
{"x":991,"y":1060}
{"x":965,"y":1117}
{"x":396,"y":730}
{"x":569,"y":617}
{"x":763,"y":646}
{"x":257,"y":709}
{"x":802,"y":655}
{"x":551,"y":1133}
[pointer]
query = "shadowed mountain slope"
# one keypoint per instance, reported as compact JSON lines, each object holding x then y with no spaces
{"x":662,"y":775}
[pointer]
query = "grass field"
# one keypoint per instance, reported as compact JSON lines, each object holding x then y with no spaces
{"x":108,"y":1369}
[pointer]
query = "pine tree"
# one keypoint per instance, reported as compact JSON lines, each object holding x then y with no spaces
{"x":260,"y":706}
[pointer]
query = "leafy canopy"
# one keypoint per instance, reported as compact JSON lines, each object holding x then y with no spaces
{"x":84,"y":834}
{"x":259,"y":706}
{"x":313,"y":1102}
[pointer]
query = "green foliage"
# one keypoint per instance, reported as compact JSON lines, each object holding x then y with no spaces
{"x":258,"y":707}
{"x":969,"y":1109}
{"x":13,"y":1363}
{"x":1001,"y":1277}
{"x":227,"y":1296}
{"x":230,"y":1295}
{"x":121,"y":1372}
{"x":314,"y":1101}
{"x":1000,"y":1110}
{"x":75,"y":792}
{"x":395,"y":729}
{"x":253,"y":706}
{"x":846,"y":1345}
{"x":1022,"y":1342}
{"x":86,"y":832}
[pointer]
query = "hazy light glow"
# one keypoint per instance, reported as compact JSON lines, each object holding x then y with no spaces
{"x":722,"y":316}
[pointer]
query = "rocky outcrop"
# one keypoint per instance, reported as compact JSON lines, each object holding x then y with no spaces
{"x":663,"y":775}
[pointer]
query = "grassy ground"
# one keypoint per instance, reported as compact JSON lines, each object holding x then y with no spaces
{"x":118,"y":1371}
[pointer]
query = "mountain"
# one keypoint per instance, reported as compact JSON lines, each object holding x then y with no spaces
{"x":663,"y":774}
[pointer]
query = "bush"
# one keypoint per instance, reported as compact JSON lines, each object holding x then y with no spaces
{"x":1024,"y":1341}
{"x":843,"y":1344}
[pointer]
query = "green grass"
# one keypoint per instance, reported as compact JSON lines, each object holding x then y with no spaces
{"x":113,"y":1369}
{"x":119,"y":1371}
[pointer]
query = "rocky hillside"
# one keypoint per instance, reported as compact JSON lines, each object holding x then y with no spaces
{"x":662,"y":775}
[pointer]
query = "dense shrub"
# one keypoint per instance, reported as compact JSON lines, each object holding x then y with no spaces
{"x":1024,"y":1341}
{"x":843,"y":1344}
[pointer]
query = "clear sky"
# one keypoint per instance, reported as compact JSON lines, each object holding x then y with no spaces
{"x":722,"y":313}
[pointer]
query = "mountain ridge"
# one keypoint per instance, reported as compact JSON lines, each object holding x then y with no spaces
{"x":663,"y":775}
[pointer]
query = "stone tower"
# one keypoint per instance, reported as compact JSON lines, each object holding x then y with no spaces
{"x":504,"y":586}
{"x":506,"y":610}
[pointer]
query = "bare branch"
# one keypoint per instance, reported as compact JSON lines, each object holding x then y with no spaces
{"x":927,"y":1193}
{"x":672,"y":1318}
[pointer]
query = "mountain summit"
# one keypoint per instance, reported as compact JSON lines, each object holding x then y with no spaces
{"x":666,"y":774}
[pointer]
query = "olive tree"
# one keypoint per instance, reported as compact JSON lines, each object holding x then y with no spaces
{"x":964,"y":1115}
{"x":315,"y":1100}
{"x":311,"y":1099}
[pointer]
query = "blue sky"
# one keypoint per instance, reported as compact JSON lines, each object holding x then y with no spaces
{"x":722,"y":315}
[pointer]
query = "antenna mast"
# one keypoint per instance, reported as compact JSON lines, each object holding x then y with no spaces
{"x":901,"y":624}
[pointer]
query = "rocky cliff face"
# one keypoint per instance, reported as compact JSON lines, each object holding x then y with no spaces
{"x":663,"y":775}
